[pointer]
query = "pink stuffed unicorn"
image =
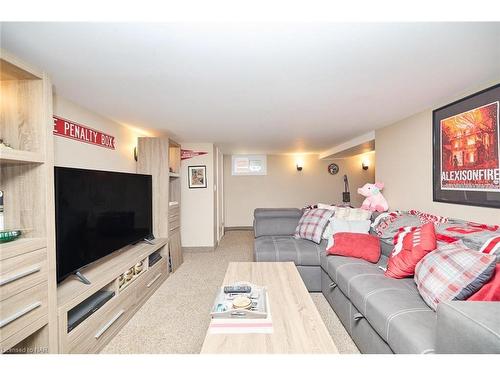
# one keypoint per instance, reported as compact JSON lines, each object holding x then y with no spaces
{"x":374,"y":201}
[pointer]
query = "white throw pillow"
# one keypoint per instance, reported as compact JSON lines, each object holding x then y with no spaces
{"x":327,"y":206}
{"x":348,"y":213}
{"x":340,"y":225}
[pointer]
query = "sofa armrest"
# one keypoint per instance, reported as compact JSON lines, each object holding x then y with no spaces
{"x":276,"y":221}
{"x":468,"y":327}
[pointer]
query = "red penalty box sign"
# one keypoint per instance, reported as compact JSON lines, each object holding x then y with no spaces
{"x":78,"y":132}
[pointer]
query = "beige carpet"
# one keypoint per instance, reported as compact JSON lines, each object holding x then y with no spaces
{"x":168,"y":323}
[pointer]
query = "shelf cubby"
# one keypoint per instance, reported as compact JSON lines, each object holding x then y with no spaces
{"x":26,"y":179}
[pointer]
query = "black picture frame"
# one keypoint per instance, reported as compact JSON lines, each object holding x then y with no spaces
{"x":460,"y":193}
{"x":192,"y":183}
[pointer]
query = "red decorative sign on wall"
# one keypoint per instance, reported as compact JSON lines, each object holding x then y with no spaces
{"x":188,"y":154}
{"x":82,"y":133}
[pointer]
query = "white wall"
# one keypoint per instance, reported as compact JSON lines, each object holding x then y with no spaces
{"x":284,"y":186}
{"x":72,"y":153}
{"x":197,"y":205}
{"x":404,"y":164}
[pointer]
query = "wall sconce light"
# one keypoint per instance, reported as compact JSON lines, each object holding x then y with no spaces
{"x":299,"y":164}
{"x":365,"y":164}
{"x":135,"y":153}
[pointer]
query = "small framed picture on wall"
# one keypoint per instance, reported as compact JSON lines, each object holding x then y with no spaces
{"x":197,"y":176}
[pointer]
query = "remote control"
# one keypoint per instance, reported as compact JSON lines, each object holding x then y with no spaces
{"x":237,"y":289}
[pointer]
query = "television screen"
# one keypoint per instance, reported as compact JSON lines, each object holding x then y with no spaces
{"x":98,"y":212}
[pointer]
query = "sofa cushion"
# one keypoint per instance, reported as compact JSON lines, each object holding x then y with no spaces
{"x":342,"y":269}
{"x":386,"y":245}
{"x":276,"y":221}
{"x":288,"y":249}
{"x":397,"y":312}
{"x":478,"y":319}
{"x":392,"y":307}
{"x":312,"y":224}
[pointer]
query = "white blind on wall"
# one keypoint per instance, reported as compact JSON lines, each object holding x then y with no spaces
{"x":249,"y":165}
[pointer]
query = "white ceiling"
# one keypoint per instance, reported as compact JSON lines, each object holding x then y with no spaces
{"x":260,"y":88}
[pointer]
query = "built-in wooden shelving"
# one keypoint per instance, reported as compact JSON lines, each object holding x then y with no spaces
{"x":15,"y":157}
{"x":96,"y":330}
{"x":21,"y":246}
{"x":27,"y":265}
{"x":174,"y":212}
{"x":161,"y":157}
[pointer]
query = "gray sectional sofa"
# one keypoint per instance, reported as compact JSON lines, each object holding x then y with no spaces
{"x":381,"y":314}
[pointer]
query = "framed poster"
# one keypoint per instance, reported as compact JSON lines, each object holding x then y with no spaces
{"x":466,"y":150}
{"x":197,"y":176}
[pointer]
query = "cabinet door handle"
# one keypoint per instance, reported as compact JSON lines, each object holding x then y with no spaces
{"x":108,"y":324}
{"x":154,"y":280}
{"x":19,"y":275}
{"x":19,"y":314}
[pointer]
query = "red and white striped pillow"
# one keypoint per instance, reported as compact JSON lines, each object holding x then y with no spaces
{"x":412,"y":244}
{"x":453,"y":272}
{"x":312,"y":224}
{"x":491,"y":246}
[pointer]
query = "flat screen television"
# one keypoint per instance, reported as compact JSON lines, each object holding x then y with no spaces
{"x":97,"y":213}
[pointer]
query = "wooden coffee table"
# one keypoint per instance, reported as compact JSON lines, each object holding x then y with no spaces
{"x":297,"y":325}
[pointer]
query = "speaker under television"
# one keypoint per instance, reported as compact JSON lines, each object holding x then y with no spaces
{"x":83,"y":310}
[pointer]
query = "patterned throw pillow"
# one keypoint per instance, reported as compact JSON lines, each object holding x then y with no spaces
{"x":410,"y":246}
{"x":484,"y":238}
{"x":312,"y":224}
{"x":453,"y":272}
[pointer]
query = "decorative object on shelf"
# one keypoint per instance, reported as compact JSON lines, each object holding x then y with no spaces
{"x":4,"y":145}
{"x":9,"y":235}
{"x":188,"y":154}
{"x":333,"y":169}
{"x":346,"y":195}
{"x":138,"y":268}
{"x":128,"y":277}
{"x":365,"y":164}
{"x":197,"y":176}
{"x":374,"y":200}
{"x":466,"y":150}
{"x":69,"y":129}
{"x":129,"y":274}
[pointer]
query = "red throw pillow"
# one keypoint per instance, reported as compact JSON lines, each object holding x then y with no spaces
{"x":489,"y":291}
{"x":410,"y":249}
{"x":356,"y":245}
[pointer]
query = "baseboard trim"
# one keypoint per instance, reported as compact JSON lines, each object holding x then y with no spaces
{"x":198,"y":249}
{"x":228,"y":229}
